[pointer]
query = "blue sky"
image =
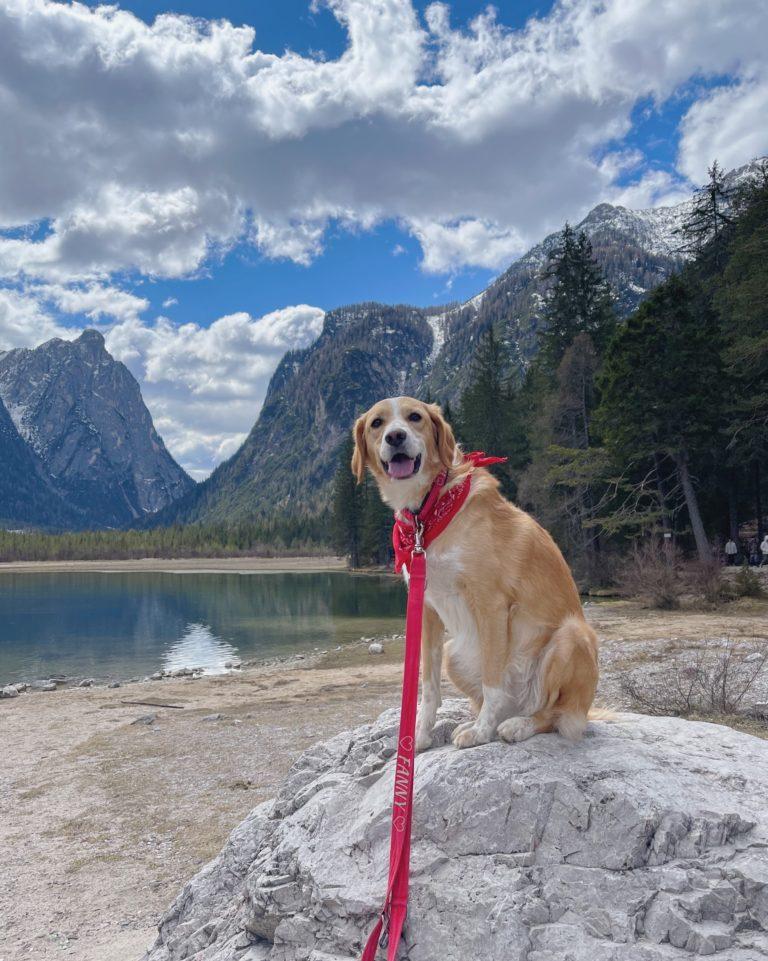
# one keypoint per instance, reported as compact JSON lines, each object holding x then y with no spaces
{"x":203,"y":181}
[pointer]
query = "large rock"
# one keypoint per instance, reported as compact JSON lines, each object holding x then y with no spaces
{"x":647,"y":841}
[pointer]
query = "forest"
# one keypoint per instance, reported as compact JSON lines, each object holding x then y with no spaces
{"x":620,"y":435}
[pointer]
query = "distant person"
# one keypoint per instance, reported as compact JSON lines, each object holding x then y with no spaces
{"x":764,"y":551}
{"x":731,"y":551}
{"x":754,"y":552}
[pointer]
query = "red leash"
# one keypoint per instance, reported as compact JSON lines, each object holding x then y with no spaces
{"x":411,"y":535}
{"x":396,"y":901}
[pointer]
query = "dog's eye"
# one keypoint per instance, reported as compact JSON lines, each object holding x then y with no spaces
{"x":415,"y":417}
{"x":376,"y":422}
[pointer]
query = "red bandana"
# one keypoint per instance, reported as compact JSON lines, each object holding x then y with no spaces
{"x":435,"y":514}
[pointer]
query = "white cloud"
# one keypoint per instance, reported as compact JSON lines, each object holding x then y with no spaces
{"x":95,"y":301}
{"x":729,"y":125}
{"x":154,"y":147}
{"x":25,"y":323}
{"x":169,"y":302}
{"x":474,"y":243}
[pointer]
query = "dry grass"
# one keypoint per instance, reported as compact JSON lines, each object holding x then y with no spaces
{"x":714,"y":679}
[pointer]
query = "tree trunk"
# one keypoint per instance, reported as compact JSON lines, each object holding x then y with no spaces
{"x":692,"y":503}
{"x":666,"y":520}
{"x":733,"y":510}
{"x":758,"y":500}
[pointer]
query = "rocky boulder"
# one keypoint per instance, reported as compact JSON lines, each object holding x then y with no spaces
{"x":648,"y":841}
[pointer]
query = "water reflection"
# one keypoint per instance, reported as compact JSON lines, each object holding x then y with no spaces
{"x":132,"y":624}
{"x":200,"y":647}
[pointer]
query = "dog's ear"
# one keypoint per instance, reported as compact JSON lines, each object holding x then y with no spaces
{"x":360,"y":455}
{"x":446,"y":442}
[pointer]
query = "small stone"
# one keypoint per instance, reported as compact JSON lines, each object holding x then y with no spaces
{"x":145,"y":719}
{"x":9,"y":691}
{"x":86,"y":682}
{"x":21,"y":686}
{"x":754,"y":656}
{"x":157,"y":676}
{"x":44,"y":685}
{"x":376,"y":648}
{"x":213,"y":717}
{"x":114,"y":684}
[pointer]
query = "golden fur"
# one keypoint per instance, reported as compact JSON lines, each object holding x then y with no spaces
{"x":500,"y":599}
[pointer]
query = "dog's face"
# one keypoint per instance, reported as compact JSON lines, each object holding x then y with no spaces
{"x":405,"y":443}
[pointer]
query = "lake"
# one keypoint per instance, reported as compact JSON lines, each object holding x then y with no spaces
{"x":122,"y":625}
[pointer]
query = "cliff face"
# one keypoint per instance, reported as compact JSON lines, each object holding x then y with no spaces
{"x":644,"y":842}
{"x":82,"y":415}
{"x":26,"y":495}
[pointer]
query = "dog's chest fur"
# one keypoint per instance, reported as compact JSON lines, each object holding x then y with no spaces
{"x":444,"y":570}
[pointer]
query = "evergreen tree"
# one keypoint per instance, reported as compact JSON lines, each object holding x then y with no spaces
{"x":661,"y":388}
{"x":376,"y":528}
{"x":348,"y":505}
{"x":489,"y":417}
{"x":741,"y":300}
{"x":579,"y":300}
{"x":710,"y":218}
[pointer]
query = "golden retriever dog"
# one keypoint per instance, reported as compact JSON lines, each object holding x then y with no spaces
{"x":500,"y":598}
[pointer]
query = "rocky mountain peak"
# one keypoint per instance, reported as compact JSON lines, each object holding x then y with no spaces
{"x":82,"y":414}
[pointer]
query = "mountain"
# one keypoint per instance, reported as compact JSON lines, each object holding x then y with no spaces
{"x":26,"y":495}
{"x":82,"y":416}
{"x":368,"y":350}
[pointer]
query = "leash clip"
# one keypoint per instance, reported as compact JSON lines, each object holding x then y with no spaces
{"x":418,"y":532}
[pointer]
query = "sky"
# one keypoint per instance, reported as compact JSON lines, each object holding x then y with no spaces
{"x":202,"y":181}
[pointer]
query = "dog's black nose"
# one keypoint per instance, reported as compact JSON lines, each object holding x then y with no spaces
{"x":395,"y":438}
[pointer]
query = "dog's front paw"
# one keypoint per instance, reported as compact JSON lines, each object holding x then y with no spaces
{"x":470,"y":735}
{"x":516,"y":729}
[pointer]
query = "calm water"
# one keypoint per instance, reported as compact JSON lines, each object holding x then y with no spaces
{"x":126,"y":625}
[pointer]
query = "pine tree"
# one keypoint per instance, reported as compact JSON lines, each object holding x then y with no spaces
{"x":579,"y":300}
{"x":710,"y":217}
{"x":661,"y":388}
{"x":348,"y":505}
{"x":489,"y":416}
{"x":376,"y":532}
{"x":741,"y":300}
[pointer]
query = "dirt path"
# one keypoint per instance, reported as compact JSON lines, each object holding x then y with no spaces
{"x":103,"y":817}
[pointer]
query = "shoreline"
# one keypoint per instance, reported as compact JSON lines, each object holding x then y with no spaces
{"x":181,"y":565}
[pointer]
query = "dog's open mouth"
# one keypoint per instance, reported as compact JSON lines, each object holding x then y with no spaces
{"x":402,"y":466}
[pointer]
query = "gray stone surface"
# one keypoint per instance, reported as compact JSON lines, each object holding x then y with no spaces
{"x":648,"y":841}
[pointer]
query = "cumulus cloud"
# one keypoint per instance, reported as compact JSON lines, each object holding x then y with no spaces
{"x":155,"y":147}
{"x":729,"y":125}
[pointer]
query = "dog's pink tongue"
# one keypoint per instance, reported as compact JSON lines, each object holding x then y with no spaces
{"x":403,"y":467}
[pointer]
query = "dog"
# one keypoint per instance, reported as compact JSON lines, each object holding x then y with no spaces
{"x":497,"y":585}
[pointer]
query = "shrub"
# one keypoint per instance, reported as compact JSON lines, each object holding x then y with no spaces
{"x":747,"y":583}
{"x":705,"y":579}
{"x":653,"y":572}
{"x":713,"y":680}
